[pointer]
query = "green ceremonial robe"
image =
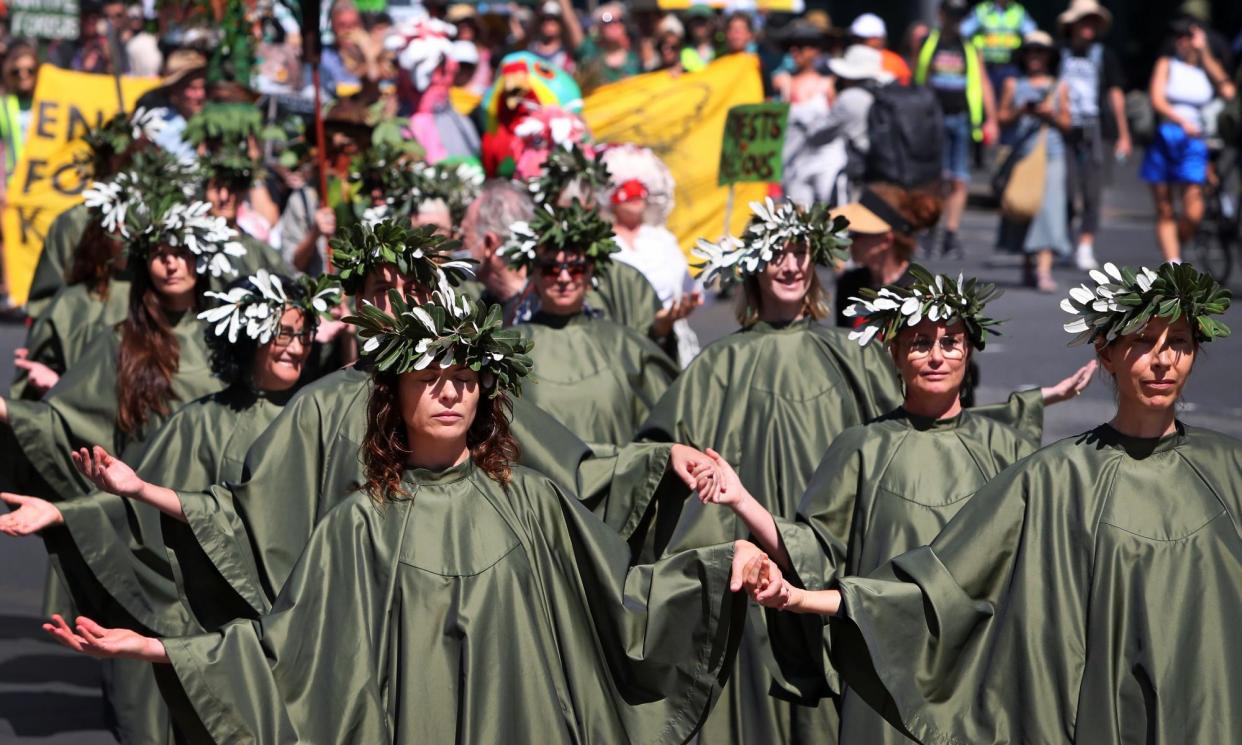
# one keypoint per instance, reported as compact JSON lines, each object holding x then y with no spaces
{"x":115,"y":554}
{"x":771,"y":400}
{"x":259,"y":255}
{"x":473,"y":613}
{"x":81,"y":411}
{"x":599,"y":378}
{"x":59,"y":246}
{"x":68,"y":323}
{"x":1087,"y":594}
{"x":622,"y":294}
{"x":881,"y":489}
{"x":254,"y":529}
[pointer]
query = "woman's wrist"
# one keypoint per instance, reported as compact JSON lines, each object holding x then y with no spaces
{"x":155,"y":651}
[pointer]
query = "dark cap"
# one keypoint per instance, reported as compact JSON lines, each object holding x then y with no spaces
{"x":956,"y":8}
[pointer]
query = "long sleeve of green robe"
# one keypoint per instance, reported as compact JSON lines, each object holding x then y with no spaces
{"x":598,"y":378}
{"x":882,"y":489}
{"x":62,"y":333}
{"x":81,"y":411}
{"x":59,"y":246}
{"x":471,"y":613}
{"x":254,"y":529}
{"x":1088,"y":594}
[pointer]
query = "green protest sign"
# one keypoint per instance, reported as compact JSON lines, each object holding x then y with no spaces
{"x":43,"y":19}
{"x":753,"y":139}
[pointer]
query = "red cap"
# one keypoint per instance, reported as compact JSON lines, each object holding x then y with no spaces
{"x":629,"y":191}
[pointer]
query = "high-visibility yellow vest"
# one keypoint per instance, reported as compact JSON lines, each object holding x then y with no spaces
{"x":974,"y":79}
{"x":1000,"y":33}
{"x":11,"y":131}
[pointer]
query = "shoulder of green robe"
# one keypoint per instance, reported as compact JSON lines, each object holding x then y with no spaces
{"x":1213,"y":446}
{"x":527,"y":489}
{"x":346,"y":383}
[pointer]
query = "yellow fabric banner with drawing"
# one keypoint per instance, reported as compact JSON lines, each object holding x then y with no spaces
{"x":47,"y":181}
{"x":682,"y":119}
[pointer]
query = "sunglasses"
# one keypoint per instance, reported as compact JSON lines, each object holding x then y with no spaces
{"x":24,"y":71}
{"x":576,"y":268}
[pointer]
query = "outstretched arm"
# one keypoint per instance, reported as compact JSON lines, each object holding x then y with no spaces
{"x":114,"y":476}
{"x":31,"y":516}
{"x":1069,"y":387}
{"x":729,"y":491}
{"x":763,"y":580}
{"x":92,"y":639}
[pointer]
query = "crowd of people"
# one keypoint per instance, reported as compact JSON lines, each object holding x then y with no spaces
{"x":396,"y":431}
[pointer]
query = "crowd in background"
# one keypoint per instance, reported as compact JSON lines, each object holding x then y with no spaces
{"x":1003,"y":89}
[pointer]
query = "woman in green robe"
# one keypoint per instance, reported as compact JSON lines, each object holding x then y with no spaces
{"x":128,"y":382}
{"x":772,"y":397}
{"x":1088,"y":593}
{"x":874,"y":496}
{"x":599,"y":378}
{"x":457,"y":597}
{"x":122,"y":563}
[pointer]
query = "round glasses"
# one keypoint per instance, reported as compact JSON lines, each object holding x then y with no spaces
{"x":952,"y":347}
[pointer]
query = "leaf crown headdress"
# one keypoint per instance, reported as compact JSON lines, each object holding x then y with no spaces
{"x":152,"y":204}
{"x":227,"y":130}
{"x":938,"y":298}
{"x":573,"y":229}
{"x":772,"y":227}
{"x":254,"y":308}
{"x":1123,"y":300}
{"x":418,"y":253}
{"x":570,"y":166}
{"x":116,"y":136}
{"x":449,"y":330}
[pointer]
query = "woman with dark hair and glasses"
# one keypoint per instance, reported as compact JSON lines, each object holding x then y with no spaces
{"x":599,"y":378}
{"x":875,"y":494}
{"x":456,"y":596}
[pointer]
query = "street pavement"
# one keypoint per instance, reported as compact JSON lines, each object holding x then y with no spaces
{"x":50,"y":696}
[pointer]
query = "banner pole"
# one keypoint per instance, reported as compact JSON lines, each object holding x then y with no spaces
{"x":728,"y":221}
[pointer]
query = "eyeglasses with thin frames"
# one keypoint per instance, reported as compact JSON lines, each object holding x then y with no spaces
{"x":952,"y":347}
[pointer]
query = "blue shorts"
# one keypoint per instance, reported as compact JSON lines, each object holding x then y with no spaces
{"x":1174,"y":158}
{"x":957,"y":147}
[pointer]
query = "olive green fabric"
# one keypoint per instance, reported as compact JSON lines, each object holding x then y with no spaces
{"x":259,"y":255}
{"x":59,"y":246}
{"x":471,"y":613}
{"x":622,"y":294}
{"x":770,"y":399}
{"x":68,"y":323}
{"x":881,"y":489}
{"x":81,"y":411}
{"x":599,"y":378}
{"x":308,"y":460}
{"x":1087,"y":594}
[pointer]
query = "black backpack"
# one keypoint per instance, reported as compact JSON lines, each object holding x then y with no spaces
{"x":906,"y":129}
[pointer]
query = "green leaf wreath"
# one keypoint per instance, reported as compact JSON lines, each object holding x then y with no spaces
{"x":938,"y":298}
{"x":573,"y":229}
{"x":772,"y":227}
{"x":1123,"y":300}
{"x":419,"y":253}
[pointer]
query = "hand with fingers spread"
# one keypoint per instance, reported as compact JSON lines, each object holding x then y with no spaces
{"x":39,"y":377}
{"x":108,"y":474}
{"x":90,"y":638}
{"x":31,"y":516}
{"x":1070,"y":387}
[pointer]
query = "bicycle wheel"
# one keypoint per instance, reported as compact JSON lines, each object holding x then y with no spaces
{"x":1213,"y":248}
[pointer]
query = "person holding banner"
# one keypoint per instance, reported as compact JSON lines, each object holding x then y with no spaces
{"x":21,"y":73}
{"x":599,"y":378}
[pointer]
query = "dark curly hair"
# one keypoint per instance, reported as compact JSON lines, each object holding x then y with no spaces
{"x":385,"y":450}
{"x":233,"y":362}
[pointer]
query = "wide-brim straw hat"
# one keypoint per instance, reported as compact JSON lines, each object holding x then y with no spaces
{"x":860,"y":62}
{"x":1080,"y":9}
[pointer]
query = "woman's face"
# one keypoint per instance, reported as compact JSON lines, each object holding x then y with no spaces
{"x":870,"y":249}
{"x":737,"y":35}
{"x":377,"y":283}
{"x":1151,"y":366}
{"x":23,"y":74}
{"x":932,"y":358}
{"x":172,"y":272}
{"x":278,"y":363}
{"x":1036,"y":61}
{"x":562,"y":280}
{"x":438,"y":404}
{"x":786,"y":279}
{"x":224,"y":201}
{"x":803,"y":56}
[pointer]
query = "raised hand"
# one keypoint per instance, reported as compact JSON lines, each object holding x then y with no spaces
{"x":108,"y":474}
{"x":1070,"y":387}
{"x":31,"y":516}
{"x":92,"y":639}
{"x":39,"y":376}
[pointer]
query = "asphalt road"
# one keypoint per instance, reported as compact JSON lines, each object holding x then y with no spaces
{"x":51,"y":696}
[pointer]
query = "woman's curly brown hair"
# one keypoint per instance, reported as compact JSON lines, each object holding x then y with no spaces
{"x":386,"y":451}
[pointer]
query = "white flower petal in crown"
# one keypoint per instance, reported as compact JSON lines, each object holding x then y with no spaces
{"x":1111,"y":270}
{"x":1082,"y":294}
{"x":915,"y":319}
{"x":1100,"y":277}
{"x":864,"y":335}
{"x":1067,"y":305}
{"x":1144,"y":284}
{"x":910,"y":307}
{"x":1076,"y":326}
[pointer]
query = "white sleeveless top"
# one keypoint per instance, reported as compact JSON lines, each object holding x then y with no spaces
{"x":1188,"y":90}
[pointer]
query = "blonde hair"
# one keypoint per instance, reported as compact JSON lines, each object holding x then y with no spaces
{"x":750,"y":303}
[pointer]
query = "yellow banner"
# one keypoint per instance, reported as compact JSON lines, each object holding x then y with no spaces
{"x":682,"y":119}
{"x":779,"y":6}
{"x":47,"y":181}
